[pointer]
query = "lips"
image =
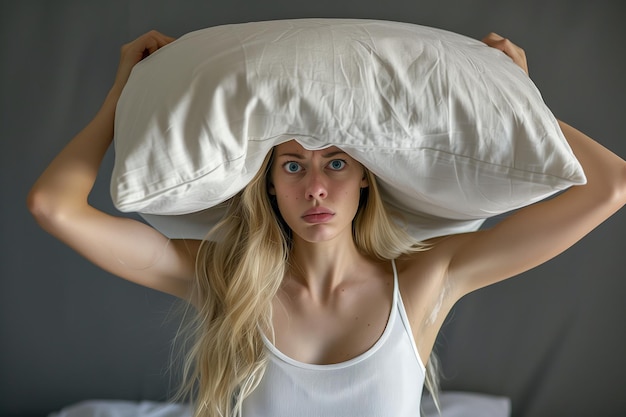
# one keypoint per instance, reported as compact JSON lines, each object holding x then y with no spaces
{"x":317,"y":215}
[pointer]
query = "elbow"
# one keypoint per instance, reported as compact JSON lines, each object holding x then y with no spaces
{"x":614,"y":187}
{"x":620,"y":188}
{"x":607,"y":184}
{"x":44,"y":208}
{"x":38,"y":205}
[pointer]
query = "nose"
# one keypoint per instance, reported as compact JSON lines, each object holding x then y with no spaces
{"x":316,"y":188}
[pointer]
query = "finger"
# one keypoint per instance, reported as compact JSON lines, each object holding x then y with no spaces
{"x":137,"y":50}
{"x":150,"y":42}
{"x":157,"y":40}
{"x":492,"y":38}
{"x":496,"y":41}
{"x":143,"y":46}
{"x":517,"y":54}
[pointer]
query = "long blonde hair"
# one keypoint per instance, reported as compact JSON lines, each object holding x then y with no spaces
{"x":239,"y":270}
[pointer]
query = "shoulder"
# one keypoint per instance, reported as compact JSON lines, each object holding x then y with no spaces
{"x":430,"y":266}
{"x":427,"y":293}
{"x":424,"y":280}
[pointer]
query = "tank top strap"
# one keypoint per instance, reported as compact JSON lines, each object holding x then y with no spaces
{"x":399,"y":307}
{"x":395,"y":276}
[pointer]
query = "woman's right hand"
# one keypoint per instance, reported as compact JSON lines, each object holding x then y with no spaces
{"x":134,"y":51}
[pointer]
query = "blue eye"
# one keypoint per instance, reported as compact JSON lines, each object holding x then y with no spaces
{"x":337,"y":164}
{"x":292,"y":167}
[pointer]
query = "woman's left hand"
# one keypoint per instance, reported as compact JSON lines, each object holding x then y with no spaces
{"x":513,"y":51}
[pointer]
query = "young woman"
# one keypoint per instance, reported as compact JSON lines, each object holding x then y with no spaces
{"x":312,"y":302}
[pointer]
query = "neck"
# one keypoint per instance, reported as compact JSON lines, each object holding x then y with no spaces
{"x":322,"y":267}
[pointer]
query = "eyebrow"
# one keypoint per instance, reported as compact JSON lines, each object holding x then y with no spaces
{"x":300,"y":156}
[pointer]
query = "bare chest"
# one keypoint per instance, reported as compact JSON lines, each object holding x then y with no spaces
{"x":347,"y":325}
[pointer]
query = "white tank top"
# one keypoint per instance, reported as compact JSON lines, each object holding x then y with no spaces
{"x":386,"y":380}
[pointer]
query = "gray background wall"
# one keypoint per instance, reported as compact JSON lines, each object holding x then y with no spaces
{"x":553,"y":339}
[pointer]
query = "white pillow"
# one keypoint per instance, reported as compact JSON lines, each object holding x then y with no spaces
{"x":454,"y":130}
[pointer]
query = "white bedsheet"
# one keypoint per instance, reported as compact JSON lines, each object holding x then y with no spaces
{"x":453,"y":404}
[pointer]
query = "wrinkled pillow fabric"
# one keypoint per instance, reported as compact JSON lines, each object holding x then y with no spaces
{"x":453,"y":129}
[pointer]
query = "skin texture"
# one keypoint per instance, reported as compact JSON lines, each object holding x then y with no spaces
{"x":330,"y":308}
{"x":334,"y":302}
{"x":317,"y":191}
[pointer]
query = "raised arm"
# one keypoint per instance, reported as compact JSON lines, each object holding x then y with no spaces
{"x":122,"y":246}
{"x":534,"y":234}
{"x":539,"y":232}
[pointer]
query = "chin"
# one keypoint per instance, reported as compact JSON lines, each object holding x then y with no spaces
{"x":319,"y":234}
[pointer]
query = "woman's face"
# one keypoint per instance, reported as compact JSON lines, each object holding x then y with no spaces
{"x":317,"y":191}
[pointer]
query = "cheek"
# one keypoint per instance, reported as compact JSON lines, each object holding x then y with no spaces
{"x":286,"y":191}
{"x":285,"y":200}
{"x":286,"y":195}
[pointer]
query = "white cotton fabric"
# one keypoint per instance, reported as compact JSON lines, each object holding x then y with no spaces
{"x":453,"y":404}
{"x":123,"y":408}
{"x":387,"y":380}
{"x":454,"y":130}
